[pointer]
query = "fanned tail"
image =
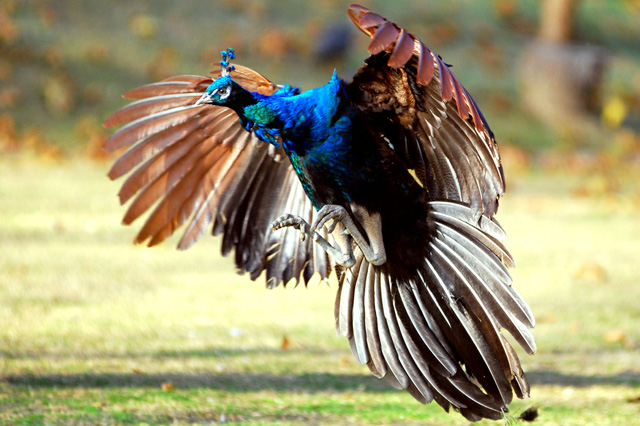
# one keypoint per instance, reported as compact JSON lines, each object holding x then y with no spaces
{"x":437,"y":334}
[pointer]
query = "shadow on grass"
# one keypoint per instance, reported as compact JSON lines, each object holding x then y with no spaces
{"x":310,"y":382}
{"x":550,"y":377}
{"x":196,"y":353}
{"x":231,"y":382}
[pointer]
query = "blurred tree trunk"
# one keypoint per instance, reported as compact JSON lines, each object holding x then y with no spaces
{"x":556,"y":20}
{"x":560,"y":77}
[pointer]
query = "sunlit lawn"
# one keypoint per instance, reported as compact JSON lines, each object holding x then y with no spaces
{"x":94,"y":330}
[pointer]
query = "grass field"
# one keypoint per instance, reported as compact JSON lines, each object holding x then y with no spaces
{"x":94,"y":330}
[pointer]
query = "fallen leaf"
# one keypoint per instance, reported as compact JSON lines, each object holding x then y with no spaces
{"x":546,"y":319}
{"x":618,"y":335}
{"x":614,"y":112}
{"x":285,"y":343}
{"x":167,"y":387}
{"x":591,"y":271}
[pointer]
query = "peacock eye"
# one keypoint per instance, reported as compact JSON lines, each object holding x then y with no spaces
{"x":224,"y":92}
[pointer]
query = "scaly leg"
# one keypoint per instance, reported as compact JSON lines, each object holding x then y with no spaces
{"x":373,"y":249}
{"x":343,"y":255}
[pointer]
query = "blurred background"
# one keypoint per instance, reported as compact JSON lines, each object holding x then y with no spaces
{"x":95,"y":330}
{"x":555,"y":75}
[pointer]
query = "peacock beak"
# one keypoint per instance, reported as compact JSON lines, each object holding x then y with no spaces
{"x":207,"y":98}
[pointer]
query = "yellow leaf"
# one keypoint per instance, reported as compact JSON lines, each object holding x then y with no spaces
{"x":591,"y":271}
{"x":614,"y":112}
{"x":615,"y":335}
{"x":618,"y":335}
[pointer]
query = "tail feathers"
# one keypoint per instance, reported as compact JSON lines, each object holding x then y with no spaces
{"x":437,"y":334}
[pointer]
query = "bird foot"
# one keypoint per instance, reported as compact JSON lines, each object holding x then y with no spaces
{"x":342,"y":255}
{"x":294,"y":221}
{"x":326,"y":213}
{"x":372,"y":246}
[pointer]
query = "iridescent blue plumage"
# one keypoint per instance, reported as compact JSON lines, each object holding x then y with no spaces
{"x":315,"y":128}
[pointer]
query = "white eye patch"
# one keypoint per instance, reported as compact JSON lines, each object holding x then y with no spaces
{"x":224,"y":92}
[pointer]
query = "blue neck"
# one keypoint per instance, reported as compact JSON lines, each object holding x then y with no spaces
{"x":294,"y":120}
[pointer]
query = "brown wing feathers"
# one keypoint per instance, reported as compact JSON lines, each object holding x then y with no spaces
{"x":462,"y":144}
{"x":438,"y":335}
{"x":402,"y":45}
{"x":198,"y":166}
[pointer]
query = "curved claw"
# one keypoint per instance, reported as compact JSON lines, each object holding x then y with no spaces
{"x":291,"y":220}
{"x":329,"y":211}
{"x":342,"y":254}
{"x":371,"y":246}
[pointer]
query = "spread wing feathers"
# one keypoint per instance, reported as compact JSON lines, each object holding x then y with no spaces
{"x":438,"y":334}
{"x":435,"y":127}
{"x":197,"y":166}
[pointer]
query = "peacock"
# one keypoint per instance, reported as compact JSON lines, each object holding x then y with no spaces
{"x":391,"y":180}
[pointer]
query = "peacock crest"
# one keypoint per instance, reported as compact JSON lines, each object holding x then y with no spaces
{"x":225,"y":66}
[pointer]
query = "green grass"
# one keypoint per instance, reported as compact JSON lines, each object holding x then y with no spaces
{"x":91,"y":326}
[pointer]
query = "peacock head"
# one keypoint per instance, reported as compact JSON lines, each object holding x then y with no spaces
{"x":223,"y":90}
{"x":219,"y":92}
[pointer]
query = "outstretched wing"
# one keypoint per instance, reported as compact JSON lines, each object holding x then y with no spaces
{"x":197,"y":166}
{"x":438,"y":333}
{"x":408,"y":94}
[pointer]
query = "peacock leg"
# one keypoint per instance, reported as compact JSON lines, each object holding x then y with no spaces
{"x":373,"y":246}
{"x":343,"y":254}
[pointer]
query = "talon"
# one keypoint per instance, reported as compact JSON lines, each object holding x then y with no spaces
{"x":342,"y":254}
{"x":378,"y":259}
{"x":322,"y":221}
{"x":287,"y":220}
{"x":277,"y":224}
{"x":348,"y":261}
{"x":329,"y":211}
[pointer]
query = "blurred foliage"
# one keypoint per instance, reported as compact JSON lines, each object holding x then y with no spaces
{"x":64,"y":64}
